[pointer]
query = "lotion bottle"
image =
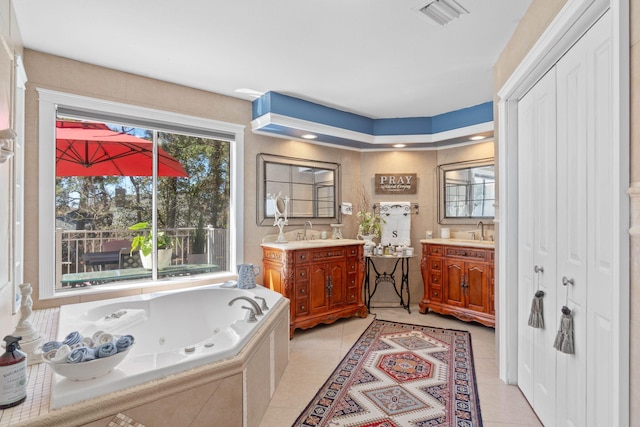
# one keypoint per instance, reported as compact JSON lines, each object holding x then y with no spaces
{"x":13,"y":374}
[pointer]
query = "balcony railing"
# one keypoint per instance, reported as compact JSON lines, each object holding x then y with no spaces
{"x":71,"y":245}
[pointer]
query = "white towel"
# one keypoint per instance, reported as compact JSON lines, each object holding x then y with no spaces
{"x":396,"y":229}
{"x":121,"y":320}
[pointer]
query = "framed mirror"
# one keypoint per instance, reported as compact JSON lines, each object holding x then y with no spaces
{"x":466,"y":191}
{"x":313,"y":189}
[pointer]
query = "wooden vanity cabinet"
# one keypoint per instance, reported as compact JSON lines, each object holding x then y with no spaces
{"x":323,"y":284}
{"x":459,"y":281}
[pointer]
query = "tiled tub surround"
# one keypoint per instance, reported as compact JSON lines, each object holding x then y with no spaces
{"x":232,"y":391}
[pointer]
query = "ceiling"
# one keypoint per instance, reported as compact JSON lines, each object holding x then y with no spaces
{"x":376,"y":58}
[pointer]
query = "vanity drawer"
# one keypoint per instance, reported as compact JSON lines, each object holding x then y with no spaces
{"x":352,"y":251}
{"x":351,"y":279}
{"x":435,"y":293}
{"x":302,"y":290}
{"x":302,"y":273}
{"x":301,"y":257}
{"x":435,"y":264}
{"x":351,"y":294}
{"x":473,"y":254}
{"x":435,"y":278}
{"x":434,"y":250}
{"x":302,"y":306}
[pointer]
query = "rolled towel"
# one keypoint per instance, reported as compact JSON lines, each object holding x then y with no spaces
{"x":50,"y":355}
{"x":73,"y":338}
{"x":81,"y":354}
{"x":87,"y":342}
{"x":51,"y":345}
{"x":96,"y":335}
{"x":61,"y":354}
{"x":124,"y":342}
{"x":106,"y":350}
{"x":105,"y":338}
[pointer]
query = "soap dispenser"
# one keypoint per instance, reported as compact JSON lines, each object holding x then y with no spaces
{"x":13,"y":374}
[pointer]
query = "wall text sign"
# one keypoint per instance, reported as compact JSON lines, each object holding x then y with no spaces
{"x":400,"y":183}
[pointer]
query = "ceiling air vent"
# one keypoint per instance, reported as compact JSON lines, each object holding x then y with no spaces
{"x":442,"y":11}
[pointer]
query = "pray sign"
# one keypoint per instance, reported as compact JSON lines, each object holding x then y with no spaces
{"x":405,"y":183}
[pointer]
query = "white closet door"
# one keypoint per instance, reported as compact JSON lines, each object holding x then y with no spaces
{"x":584,"y":197}
{"x":537,"y":243}
{"x":602,"y":229}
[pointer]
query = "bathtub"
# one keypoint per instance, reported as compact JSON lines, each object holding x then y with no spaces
{"x":174,"y":331}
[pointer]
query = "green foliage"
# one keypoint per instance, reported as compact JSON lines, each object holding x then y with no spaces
{"x":199,"y":238}
{"x":369,"y":224}
{"x":144,"y":242}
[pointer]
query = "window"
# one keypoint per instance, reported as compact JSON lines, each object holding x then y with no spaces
{"x":99,"y":179}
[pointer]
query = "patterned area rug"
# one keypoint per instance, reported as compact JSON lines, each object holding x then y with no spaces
{"x":399,"y":375}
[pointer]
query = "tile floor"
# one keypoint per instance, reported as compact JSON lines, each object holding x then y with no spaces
{"x":324,"y":346}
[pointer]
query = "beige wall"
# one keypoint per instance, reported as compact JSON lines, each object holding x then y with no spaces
{"x":10,"y":45}
{"x":424,"y":164}
{"x":60,"y":74}
{"x":538,"y":17}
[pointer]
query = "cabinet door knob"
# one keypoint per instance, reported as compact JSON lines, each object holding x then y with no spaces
{"x":566,"y":281}
{"x":537,"y":269}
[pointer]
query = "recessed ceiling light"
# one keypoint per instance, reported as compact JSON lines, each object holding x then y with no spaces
{"x":477,"y":138}
{"x":309,"y":136}
{"x":399,"y":145}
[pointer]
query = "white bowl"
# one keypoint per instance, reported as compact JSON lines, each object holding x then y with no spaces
{"x":89,"y":370}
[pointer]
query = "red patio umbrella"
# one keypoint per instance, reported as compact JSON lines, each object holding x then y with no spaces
{"x":92,"y":149}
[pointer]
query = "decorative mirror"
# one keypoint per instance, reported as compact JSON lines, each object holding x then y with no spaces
{"x":312,"y":188}
{"x":466,"y":191}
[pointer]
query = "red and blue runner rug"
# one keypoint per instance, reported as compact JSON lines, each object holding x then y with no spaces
{"x":400,"y":375}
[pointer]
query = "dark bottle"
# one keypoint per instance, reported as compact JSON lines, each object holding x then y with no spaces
{"x":13,"y":374}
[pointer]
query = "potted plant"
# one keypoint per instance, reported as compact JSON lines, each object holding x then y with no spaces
{"x":144,"y":243}
{"x":198,"y":255}
{"x":369,"y":223}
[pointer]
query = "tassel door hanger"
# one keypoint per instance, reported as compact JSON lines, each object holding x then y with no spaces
{"x":564,"y":339}
{"x":536,"y":317}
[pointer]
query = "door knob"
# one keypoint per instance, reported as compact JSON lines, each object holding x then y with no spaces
{"x":537,"y":269}
{"x":566,"y":281}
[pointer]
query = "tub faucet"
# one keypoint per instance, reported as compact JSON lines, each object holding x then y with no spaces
{"x":255,"y":305}
{"x":304,"y":236}
{"x":481,"y":225}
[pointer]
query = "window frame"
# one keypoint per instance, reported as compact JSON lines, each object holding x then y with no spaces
{"x":49,"y":101}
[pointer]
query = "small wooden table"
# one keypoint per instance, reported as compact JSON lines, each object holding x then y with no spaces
{"x":99,"y":277}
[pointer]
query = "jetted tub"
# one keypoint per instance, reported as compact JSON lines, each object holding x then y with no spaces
{"x":174,"y":331}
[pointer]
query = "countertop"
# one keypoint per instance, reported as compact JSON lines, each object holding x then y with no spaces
{"x":309,"y":244}
{"x":487,"y":244}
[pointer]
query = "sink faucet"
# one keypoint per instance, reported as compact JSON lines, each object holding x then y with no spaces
{"x":304,"y":236}
{"x":481,"y":225}
{"x":255,"y":305}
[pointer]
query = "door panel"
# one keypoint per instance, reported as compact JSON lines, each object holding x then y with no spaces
{"x":338,"y":291}
{"x":477,"y":295}
{"x":318,"y":288}
{"x":537,"y":244}
{"x":453,"y":271}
